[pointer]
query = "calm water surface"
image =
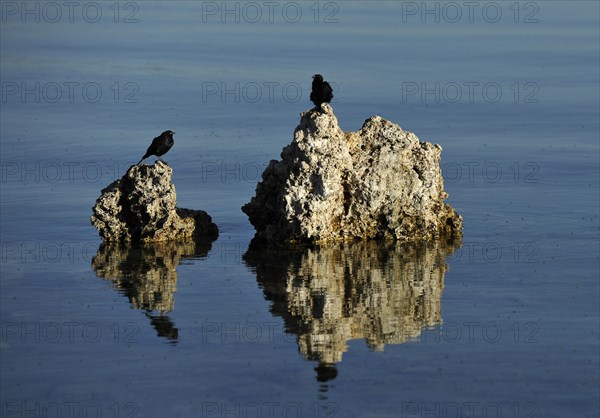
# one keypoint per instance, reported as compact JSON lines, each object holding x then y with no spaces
{"x":504,"y":323}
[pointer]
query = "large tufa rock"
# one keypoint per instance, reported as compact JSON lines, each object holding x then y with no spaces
{"x":141,"y":206}
{"x":379,"y":182}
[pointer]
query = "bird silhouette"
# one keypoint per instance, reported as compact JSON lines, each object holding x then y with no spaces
{"x":160,"y":145}
{"x":321,"y":91}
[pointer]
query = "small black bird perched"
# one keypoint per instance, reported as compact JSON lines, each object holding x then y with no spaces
{"x":321,"y":91}
{"x":160,"y":145}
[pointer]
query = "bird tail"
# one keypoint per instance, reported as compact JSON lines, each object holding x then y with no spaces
{"x":146,"y":155}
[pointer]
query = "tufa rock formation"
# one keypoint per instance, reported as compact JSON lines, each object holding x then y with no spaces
{"x":140,"y":206}
{"x":379,"y":182}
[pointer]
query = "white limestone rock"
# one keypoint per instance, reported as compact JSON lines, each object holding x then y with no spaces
{"x":141,"y":206}
{"x":379,"y":182}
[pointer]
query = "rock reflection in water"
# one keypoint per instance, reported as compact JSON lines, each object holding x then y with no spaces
{"x":383,"y":292}
{"x":147,"y":275}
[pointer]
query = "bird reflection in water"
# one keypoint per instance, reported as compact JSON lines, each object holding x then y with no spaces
{"x":383,"y":292}
{"x":147,"y":275}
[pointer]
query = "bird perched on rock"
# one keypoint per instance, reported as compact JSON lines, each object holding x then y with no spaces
{"x":160,"y":145}
{"x":321,"y":91}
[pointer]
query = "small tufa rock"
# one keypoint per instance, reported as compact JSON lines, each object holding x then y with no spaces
{"x":379,"y":182}
{"x":141,"y":206}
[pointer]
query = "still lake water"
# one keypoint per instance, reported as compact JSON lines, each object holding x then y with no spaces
{"x":505,"y":323}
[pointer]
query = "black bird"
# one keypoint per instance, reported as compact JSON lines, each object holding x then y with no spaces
{"x":321,"y":91}
{"x":160,"y":145}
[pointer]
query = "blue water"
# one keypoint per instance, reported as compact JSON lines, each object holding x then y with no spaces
{"x":504,"y":324}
